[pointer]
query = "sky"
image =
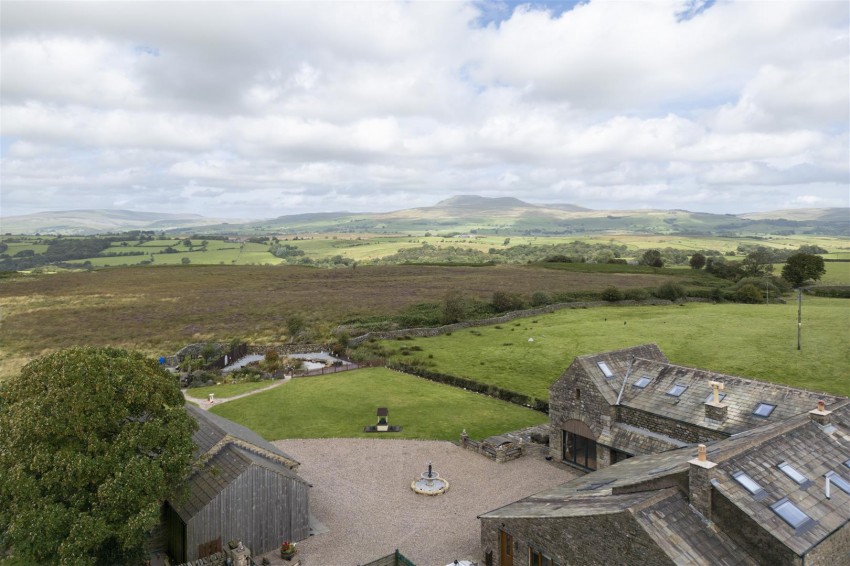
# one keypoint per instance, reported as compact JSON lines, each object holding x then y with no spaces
{"x":260,"y":109}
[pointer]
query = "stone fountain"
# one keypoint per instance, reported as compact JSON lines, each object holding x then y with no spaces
{"x":430,"y":483}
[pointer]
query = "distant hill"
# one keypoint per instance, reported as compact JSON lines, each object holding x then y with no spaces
{"x":459,"y":214}
{"x":83,"y":222}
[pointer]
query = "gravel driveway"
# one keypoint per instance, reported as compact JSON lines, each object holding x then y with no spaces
{"x":361,"y":493}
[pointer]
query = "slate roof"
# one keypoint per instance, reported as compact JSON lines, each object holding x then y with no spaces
{"x":636,"y":440}
{"x":653,"y":488}
{"x":206,"y":482}
{"x":685,"y":536}
{"x":812,"y":450}
{"x":239,"y":449}
{"x":742,"y":395}
{"x":212,"y":429}
{"x":594,"y":493}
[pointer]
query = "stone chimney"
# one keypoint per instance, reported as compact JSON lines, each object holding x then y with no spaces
{"x":714,"y":409}
{"x":820,"y":415}
{"x":700,"y":474}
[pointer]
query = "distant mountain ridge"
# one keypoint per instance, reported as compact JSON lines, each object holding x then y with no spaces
{"x":458,"y":214}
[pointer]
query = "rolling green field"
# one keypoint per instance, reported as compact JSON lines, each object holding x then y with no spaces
{"x":340,"y":405}
{"x":372,"y":247}
{"x":748,"y":340}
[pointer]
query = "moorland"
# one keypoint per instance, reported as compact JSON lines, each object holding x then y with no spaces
{"x":157,"y":291}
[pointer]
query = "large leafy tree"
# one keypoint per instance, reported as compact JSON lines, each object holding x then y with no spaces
{"x":93,"y":440}
{"x":758,"y":262}
{"x":802,"y":267}
{"x":652,"y":258}
{"x":697,"y":261}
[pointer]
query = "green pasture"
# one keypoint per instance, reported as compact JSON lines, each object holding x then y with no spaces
{"x":15,"y":247}
{"x":216,"y":253}
{"x":226,"y":390}
{"x":340,"y":405}
{"x":837,"y":273}
{"x":757,"y":341}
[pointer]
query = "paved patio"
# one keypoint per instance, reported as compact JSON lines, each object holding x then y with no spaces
{"x":361,"y":493}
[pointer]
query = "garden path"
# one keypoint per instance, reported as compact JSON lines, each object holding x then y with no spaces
{"x":205,"y":404}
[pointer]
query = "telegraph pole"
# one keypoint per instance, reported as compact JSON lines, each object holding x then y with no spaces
{"x":799,"y":314}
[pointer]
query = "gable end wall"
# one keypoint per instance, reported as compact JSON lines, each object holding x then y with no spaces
{"x":592,"y":408}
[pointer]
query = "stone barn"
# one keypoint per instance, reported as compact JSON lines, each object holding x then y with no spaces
{"x":241,"y":488}
{"x":686,"y":466}
{"x":611,"y":406}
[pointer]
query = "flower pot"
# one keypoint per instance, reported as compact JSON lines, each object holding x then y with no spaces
{"x":287,"y":554}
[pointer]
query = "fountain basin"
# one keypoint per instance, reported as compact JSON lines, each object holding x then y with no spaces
{"x":430,"y":483}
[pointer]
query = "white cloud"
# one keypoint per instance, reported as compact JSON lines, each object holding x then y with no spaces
{"x":372,"y":105}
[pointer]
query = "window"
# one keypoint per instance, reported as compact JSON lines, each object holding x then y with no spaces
{"x":710,"y":397}
{"x":749,"y":483}
{"x":764,"y":409}
{"x":790,"y":513}
{"x":792,"y":473}
{"x":578,"y":394}
{"x":579,"y":450}
{"x":677,"y":390}
{"x":619,"y":456}
{"x":537,"y":558}
{"x":605,"y":369}
{"x":643,"y":382}
{"x":838,"y":481}
{"x":847,"y":463}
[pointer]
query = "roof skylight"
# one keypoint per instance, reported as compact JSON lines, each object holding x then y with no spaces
{"x":838,"y":481}
{"x":790,"y":513}
{"x":643,"y":381}
{"x":764,"y":409}
{"x":710,"y":397}
{"x":749,"y":483}
{"x":677,"y":390}
{"x":792,"y":473}
{"x":605,"y":369}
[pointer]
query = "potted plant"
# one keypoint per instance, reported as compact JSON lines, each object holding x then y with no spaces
{"x":287,"y":550}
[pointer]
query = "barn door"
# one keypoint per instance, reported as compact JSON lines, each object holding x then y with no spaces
{"x":209,"y":548}
{"x":506,"y":549}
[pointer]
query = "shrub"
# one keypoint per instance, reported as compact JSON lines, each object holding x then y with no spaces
{"x":670,"y":291}
{"x":612,"y":294}
{"x":748,"y":293}
{"x":635,"y":294}
{"x":540,"y":298}
{"x":504,"y":302}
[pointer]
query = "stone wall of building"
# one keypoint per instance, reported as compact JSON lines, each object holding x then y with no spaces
{"x":611,"y":539}
{"x":679,"y":430}
{"x":574,"y":396}
{"x":748,"y":534}
{"x":834,"y":550}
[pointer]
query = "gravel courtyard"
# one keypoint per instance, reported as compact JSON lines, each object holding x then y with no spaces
{"x":361,"y":493}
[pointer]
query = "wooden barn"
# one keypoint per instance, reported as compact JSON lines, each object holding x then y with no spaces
{"x":241,"y":488}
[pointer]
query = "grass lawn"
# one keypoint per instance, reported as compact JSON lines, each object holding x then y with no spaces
{"x":340,"y":405}
{"x":226,"y":390}
{"x":748,"y":340}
